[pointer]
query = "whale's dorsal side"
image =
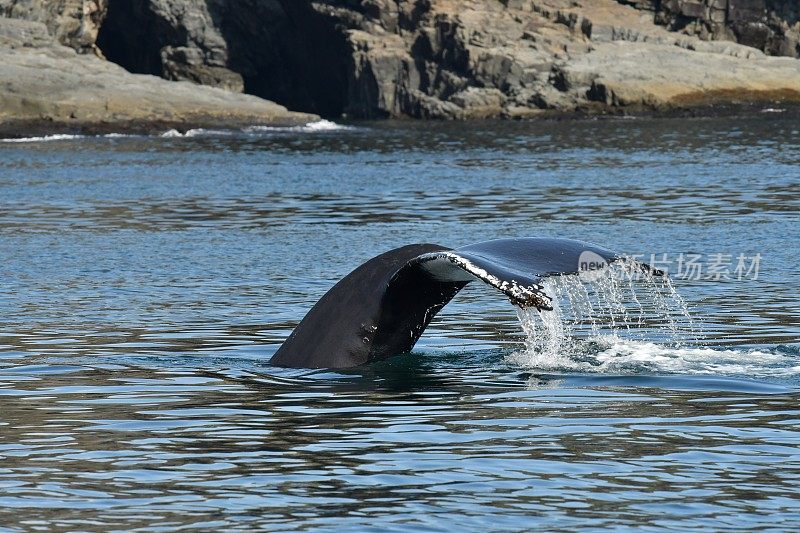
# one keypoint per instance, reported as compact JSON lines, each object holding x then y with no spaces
{"x":382,"y":307}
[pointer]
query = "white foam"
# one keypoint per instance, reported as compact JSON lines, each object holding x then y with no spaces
{"x":309,"y":127}
{"x":195,"y":132}
{"x":44,"y":138}
{"x":610,"y":354}
{"x":65,"y":137}
{"x":619,"y":355}
{"x":316,"y":126}
{"x":172,"y":133}
{"x":607,"y":324}
{"x":325,"y":125}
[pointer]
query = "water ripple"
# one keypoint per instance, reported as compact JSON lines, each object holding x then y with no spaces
{"x":147,"y":281}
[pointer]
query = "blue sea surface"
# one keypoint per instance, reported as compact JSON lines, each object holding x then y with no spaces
{"x":145,"y":283}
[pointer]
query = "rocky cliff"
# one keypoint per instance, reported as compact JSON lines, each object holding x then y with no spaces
{"x":280,"y":50}
{"x":772,"y":26}
{"x":448,"y":58}
{"x":459,"y":58}
{"x":46,"y":87}
{"x":74,"y":23}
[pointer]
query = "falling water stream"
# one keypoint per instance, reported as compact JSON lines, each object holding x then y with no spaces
{"x":623,"y":302}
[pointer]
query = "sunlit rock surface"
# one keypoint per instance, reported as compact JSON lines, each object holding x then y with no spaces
{"x":445,"y":58}
{"x":49,"y":87}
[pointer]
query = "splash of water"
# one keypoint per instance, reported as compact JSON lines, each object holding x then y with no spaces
{"x":316,"y":126}
{"x":624,"y":302}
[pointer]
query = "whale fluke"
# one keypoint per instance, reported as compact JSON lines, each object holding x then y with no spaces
{"x":382,"y":307}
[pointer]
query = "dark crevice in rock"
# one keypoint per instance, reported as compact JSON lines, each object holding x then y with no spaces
{"x":280,"y":50}
{"x":132,"y":36}
{"x":288,"y":53}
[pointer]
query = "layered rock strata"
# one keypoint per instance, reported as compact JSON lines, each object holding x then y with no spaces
{"x":772,"y":26}
{"x":450,"y":59}
{"x":455,"y":58}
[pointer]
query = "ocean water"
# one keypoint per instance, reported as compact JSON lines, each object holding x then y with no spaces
{"x":145,"y":283}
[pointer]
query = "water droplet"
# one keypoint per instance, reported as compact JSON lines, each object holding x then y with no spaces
{"x":622,"y":301}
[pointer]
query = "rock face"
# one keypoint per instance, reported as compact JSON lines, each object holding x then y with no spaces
{"x":448,"y":58}
{"x":281,"y":50}
{"x":475,"y":58}
{"x":455,"y":58}
{"x":176,"y":40}
{"x":74,"y":23}
{"x":48,"y":87}
{"x":772,"y":26}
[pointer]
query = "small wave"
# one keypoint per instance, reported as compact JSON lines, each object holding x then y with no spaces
{"x":65,"y":137}
{"x":310,"y":127}
{"x":195,"y":132}
{"x":620,"y":355}
{"x":325,"y":125}
{"x":44,"y":138}
{"x":172,"y":133}
{"x":773,"y":110}
{"x":316,"y":126}
{"x":610,"y":354}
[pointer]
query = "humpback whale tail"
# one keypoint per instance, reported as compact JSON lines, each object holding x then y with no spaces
{"x":382,"y":307}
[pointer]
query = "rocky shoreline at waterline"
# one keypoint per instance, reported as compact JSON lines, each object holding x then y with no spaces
{"x":150,"y":65}
{"x":46,"y":87}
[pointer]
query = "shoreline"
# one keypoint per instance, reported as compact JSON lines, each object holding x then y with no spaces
{"x":22,"y":129}
{"x":503,"y":62}
{"x":19,"y":129}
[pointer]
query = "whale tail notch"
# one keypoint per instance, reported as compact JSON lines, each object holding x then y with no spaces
{"x":383,"y":306}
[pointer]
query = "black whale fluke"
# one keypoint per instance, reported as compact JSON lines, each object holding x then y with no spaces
{"x":382,"y":307}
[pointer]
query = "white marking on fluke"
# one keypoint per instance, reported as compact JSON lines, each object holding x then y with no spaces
{"x":438,"y":264}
